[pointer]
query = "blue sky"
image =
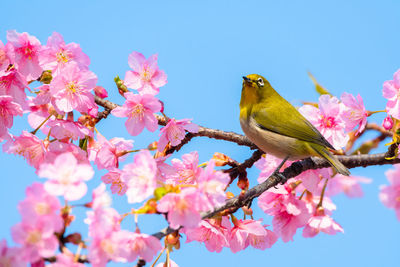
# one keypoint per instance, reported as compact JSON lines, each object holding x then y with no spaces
{"x":205,"y":47}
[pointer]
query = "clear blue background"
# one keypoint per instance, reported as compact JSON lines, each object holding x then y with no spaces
{"x":205,"y":48}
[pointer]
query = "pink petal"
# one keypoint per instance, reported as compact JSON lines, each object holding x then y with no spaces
{"x":132,"y":80}
{"x":134,"y":127}
{"x":120,"y":112}
{"x":136,"y":60}
{"x":160,"y":79}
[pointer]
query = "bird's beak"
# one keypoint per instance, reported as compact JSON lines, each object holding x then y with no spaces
{"x":246,"y":79}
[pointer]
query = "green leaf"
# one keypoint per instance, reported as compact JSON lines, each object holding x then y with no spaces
{"x":319,"y":88}
{"x":83,"y":143}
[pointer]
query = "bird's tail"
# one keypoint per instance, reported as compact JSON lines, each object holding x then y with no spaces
{"x":326,"y":154}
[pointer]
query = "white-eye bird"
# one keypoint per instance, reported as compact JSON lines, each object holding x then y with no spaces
{"x":277,"y":128}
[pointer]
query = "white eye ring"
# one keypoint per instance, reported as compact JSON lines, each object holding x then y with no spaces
{"x":260,"y":82}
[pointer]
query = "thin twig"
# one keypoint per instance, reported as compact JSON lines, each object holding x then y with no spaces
{"x":203,"y":131}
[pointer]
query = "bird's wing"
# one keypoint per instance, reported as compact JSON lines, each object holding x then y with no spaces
{"x":284,"y":119}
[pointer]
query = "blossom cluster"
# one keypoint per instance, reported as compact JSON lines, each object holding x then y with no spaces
{"x":67,"y":88}
{"x":54,"y":86}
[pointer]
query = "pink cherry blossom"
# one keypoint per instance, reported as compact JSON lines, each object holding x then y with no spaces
{"x":40,"y":205}
{"x":8,"y":109}
{"x":56,"y":55}
{"x":140,"y":177}
{"x":66,"y":176}
{"x":39,"y":115}
{"x":289,"y":212}
{"x":65,"y":130}
{"x":43,"y":95}
{"x":286,"y":223}
{"x":212,"y":232}
{"x":110,"y":152}
{"x":183,"y":208}
{"x":142,"y":245}
{"x":328,"y":119}
{"x":145,"y":77}
{"x":391,"y":92}
{"x":211,"y":184}
{"x":268,"y":164}
{"x":5,"y":57}
{"x":57,"y":148}
{"x":250,"y":232}
{"x":10,"y":256}
{"x":72,"y":89}
{"x":64,"y":260}
{"x":387,"y":123}
{"x":164,"y":170}
{"x":313,"y":205}
{"x":112,"y":246}
{"x":390,"y":194}
{"x":349,"y":185}
{"x":321,"y":223}
{"x":100,"y":198}
{"x":140,"y":111}
{"x":12,"y":83}
{"x":174,"y":132}
{"x":27,"y":49}
{"x":313,"y":180}
{"x":102,"y":221}
{"x":29,"y":146}
{"x":187,"y":170}
{"x":113,"y":177}
{"x":354,"y":112}
{"x":108,"y":242}
{"x":37,"y":240}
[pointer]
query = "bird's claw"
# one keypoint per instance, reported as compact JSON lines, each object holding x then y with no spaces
{"x":281,"y":177}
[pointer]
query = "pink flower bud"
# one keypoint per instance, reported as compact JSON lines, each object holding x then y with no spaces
{"x":387,"y":123}
{"x":100,"y":92}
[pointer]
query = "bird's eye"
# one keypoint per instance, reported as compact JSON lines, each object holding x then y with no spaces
{"x":260,"y":82}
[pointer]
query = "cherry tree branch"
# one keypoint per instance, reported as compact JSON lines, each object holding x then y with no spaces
{"x":376,"y":127}
{"x":203,"y":131}
{"x":293,"y":170}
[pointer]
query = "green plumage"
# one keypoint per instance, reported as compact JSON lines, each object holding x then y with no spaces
{"x":275,"y":126}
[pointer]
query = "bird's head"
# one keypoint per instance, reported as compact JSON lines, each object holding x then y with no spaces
{"x":255,"y":88}
{"x":255,"y":81}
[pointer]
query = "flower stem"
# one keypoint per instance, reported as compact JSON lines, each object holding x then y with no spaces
{"x":322,"y":194}
{"x":373,"y":112}
{"x":158,"y":257}
{"x":34,"y":131}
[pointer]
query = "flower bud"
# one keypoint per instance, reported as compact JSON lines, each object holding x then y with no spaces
{"x":172,"y":239}
{"x":46,"y":77}
{"x":100,"y":91}
{"x":229,"y":195}
{"x":221,"y":159}
{"x":74,"y":238}
{"x":122,"y":89}
{"x":387,"y":123}
{"x":162,"y":106}
{"x":152,"y":146}
{"x":247,"y":210}
{"x":243,"y":182}
{"x":52,"y":111}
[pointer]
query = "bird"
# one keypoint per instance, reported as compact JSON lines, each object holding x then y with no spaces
{"x":277,"y":127}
